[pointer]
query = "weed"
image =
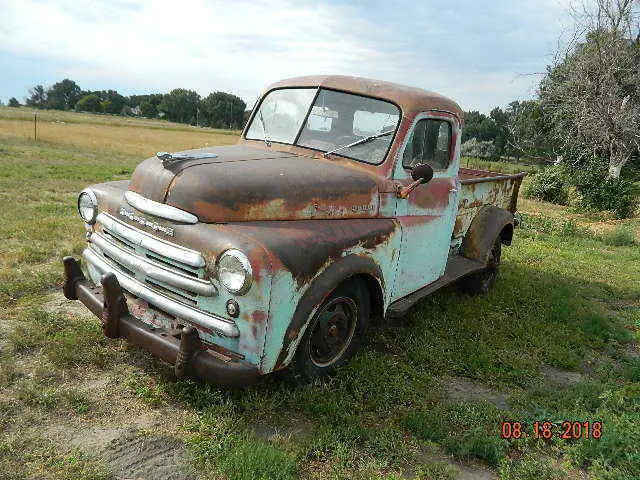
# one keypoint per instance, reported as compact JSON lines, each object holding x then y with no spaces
{"x":550,"y":306}
{"x":32,"y":457}
{"x":437,"y":471}
{"x":148,"y":389}
{"x":64,"y":340}
{"x":621,"y":236}
{"x":238,"y":456}
{"x":531,"y":468}
{"x":466,"y":430}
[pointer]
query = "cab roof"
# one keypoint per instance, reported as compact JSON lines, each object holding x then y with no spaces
{"x":411,"y":100}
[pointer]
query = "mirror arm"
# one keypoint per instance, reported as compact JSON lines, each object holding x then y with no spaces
{"x":403,"y":192}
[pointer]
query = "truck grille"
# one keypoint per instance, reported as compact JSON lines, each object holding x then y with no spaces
{"x":166,"y":275}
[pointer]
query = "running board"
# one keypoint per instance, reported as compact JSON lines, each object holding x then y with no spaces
{"x":457,"y":267}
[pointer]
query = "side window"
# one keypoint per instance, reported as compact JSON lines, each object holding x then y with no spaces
{"x":430,"y":142}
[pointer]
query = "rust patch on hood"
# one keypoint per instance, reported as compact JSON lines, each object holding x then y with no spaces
{"x":245,"y":183}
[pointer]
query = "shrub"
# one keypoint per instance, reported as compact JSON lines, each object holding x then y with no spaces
{"x":621,"y":236}
{"x":601,"y":193}
{"x":549,"y":184}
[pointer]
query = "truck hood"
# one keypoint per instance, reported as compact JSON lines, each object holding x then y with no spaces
{"x":243,"y":183}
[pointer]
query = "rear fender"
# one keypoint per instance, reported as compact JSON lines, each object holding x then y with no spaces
{"x":489,"y":223}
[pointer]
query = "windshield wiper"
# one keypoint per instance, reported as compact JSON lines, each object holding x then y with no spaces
{"x":267,"y":142}
{"x":359,"y":142}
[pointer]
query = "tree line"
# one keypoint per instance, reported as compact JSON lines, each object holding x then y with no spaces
{"x":217,"y":110}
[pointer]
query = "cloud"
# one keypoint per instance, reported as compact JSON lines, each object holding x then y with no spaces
{"x":476,"y":52}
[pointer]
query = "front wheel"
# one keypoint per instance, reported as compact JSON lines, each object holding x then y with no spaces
{"x":480,"y":283}
{"x":335,"y":332}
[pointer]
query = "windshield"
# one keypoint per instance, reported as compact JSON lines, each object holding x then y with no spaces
{"x":334,"y":122}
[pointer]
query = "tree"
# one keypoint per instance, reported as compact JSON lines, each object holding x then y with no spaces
{"x":148,"y":109}
{"x":63,"y":95}
{"x":112,"y":101}
{"x":180,"y":105}
{"x":591,"y":97}
{"x":37,"y":97}
{"x":13,"y":102}
{"x":528,"y":129}
{"x":222,"y":110}
{"x":484,"y":129}
{"x":89,"y":103}
{"x":478,"y":148}
{"x":501,"y":140}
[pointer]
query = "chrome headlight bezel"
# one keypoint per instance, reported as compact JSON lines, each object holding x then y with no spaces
{"x":91,"y":196}
{"x":241,"y":260}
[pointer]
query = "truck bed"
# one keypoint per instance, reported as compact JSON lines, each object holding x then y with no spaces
{"x":479,"y":188}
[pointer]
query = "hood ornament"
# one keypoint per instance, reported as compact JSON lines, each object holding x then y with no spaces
{"x":179,"y":157}
{"x":173,"y":161}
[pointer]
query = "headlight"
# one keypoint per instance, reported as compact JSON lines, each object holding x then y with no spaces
{"x":234,"y":271}
{"x":88,"y":206}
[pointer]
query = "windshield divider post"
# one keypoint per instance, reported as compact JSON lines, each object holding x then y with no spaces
{"x":306,"y":118}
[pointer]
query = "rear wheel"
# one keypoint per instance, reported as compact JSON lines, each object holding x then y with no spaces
{"x":480,"y":283}
{"x":335,"y":332}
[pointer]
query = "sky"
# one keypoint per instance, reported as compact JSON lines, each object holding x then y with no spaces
{"x":481,"y":54}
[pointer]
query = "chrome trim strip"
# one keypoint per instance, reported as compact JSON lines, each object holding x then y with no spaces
{"x":161,"y":210}
{"x":157,"y":245}
{"x":221,"y":325}
{"x":152,"y":269}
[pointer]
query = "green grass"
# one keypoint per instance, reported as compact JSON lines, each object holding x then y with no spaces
{"x":567,"y":296}
{"x":65,"y":341}
{"x":503,"y":166}
{"x":22,"y":458}
{"x":620,"y":237}
{"x":437,"y":471}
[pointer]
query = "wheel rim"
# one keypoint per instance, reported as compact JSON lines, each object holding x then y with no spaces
{"x":333,"y":331}
{"x":492,"y":266}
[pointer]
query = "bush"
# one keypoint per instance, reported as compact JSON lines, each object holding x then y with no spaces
{"x":601,"y":193}
{"x":549,"y":184}
{"x":621,"y":236}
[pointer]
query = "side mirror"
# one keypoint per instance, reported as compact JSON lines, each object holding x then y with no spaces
{"x":422,"y":172}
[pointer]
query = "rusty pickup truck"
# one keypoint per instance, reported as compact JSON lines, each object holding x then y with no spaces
{"x":343,"y":202}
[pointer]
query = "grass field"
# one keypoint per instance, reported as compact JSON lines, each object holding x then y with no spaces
{"x":555,"y":340}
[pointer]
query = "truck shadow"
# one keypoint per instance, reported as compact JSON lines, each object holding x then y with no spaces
{"x":529,"y":319}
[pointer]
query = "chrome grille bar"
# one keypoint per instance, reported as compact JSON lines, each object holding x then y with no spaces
{"x":143,"y":239}
{"x":151,"y":269}
{"x":221,"y":325}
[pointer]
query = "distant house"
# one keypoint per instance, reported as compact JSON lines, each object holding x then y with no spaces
{"x":136,"y":110}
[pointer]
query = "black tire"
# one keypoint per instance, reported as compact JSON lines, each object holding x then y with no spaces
{"x":336,"y":331}
{"x":480,"y":283}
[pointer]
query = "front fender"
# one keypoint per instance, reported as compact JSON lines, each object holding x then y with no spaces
{"x":309,"y":259}
{"x":317,"y":292}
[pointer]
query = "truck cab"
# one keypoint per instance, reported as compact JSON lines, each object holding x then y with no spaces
{"x":343,"y":201}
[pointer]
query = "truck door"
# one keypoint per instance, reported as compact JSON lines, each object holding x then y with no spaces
{"x":428,"y":214}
